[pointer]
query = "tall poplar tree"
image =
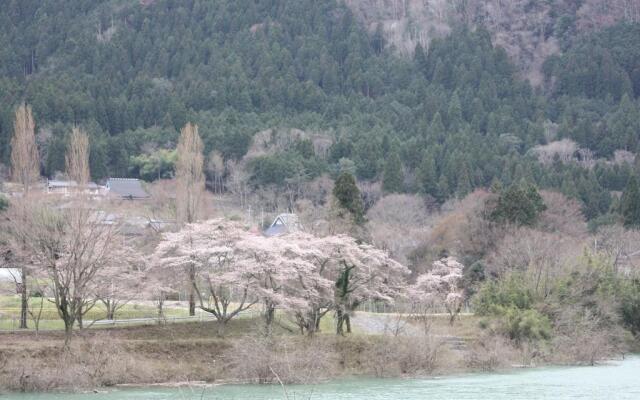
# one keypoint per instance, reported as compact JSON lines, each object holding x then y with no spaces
{"x":77,"y":157}
{"x":25,"y":169}
{"x":190,"y":188}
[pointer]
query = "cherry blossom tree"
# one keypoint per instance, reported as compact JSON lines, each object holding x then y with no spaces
{"x":208,"y":251}
{"x":360,"y":272}
{"x":272,"y":274}
{"x":121,"y":280}
{"x":310,"y":283}
{"x":441,"y":285}
{"x":303,"y":275}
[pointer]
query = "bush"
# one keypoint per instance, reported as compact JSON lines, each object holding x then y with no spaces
{"x":630,"y":306}
{"x":494,"y":297}
{"x":521,"y":325}
{"x":4,"y":203}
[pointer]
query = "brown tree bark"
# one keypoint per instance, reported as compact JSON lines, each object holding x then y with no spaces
{"x":25,"y":300}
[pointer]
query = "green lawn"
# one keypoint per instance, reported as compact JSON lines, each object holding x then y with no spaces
{"x":49,"y":319}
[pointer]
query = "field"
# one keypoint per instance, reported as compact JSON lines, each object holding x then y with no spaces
{"x":49,"y":319}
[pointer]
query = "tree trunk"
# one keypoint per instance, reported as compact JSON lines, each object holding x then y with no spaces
{"x":192,"y":295}
{"x":192,"y":304}
{"x":269,"y":316}
{"x":25,"y":300}
{"x":160,"y":311}
{"x":340,"y":322}
{"x":111,"y":312}
{"x":68,"y":332}
{"x":221,"y":327}
{"x":347,"y":320}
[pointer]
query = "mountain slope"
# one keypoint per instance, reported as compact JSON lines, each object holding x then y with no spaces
{"x":457,"y":113}
{"x":529,"y":31}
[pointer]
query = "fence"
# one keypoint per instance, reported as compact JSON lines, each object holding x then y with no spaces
{"x":13,"y":324}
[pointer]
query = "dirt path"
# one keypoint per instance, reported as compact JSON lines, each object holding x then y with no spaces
{"x":380,"y":324}
{"x":393,"y":324}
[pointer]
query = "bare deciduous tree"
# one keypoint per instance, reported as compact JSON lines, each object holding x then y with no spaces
{"x":25,"y":168}
{"x":71,"y":249}
{"x":25,"y":162}
{"x":190,"y":182}
{"x":189,"y":174}
{"x":215,"y":167}
{"x":77,"y":157}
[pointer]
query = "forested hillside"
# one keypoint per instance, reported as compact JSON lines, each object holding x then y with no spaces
{"x":454,"y":116}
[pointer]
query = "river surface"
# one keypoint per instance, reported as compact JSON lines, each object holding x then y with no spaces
{"x":613,"y":381}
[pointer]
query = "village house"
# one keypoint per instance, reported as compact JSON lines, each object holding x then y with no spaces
{"x":125,"y":188}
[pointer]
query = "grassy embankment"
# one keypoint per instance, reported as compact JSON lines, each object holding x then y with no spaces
{"x":190,"y":352}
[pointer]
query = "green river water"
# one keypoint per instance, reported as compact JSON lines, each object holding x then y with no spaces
{"x":615,"y":380}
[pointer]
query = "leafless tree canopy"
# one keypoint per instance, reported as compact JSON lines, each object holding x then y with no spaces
{"x":189,"y":174}
{"x":73,"y":250}
{"x":77,"y":157}
{"x":24,"y":152}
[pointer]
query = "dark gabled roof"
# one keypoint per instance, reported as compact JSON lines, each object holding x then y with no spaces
{"x":127,"y":188}
{"x":283,"y":224}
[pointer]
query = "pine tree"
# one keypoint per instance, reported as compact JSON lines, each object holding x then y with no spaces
{"x":630,"y":204}
{"x":443,"y":189}
{"x":393,"y":180}
{"x":454,"y":113}
{"x":420,"y":58}
{"x":348,"y":196}
{"x":464,"y":183}
{"x":427,"y":179}
{"x":437,"y":127}
{"x":519,"y":204}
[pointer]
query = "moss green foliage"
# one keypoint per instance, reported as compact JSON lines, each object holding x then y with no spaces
{"x":519,"y":204}
{"x":512,"y":302}
{"x":348,"y":196}
{"x":592,"y":292}
{"x":526,"y":324}
{"x":157,"y":165}
{"x":495,"y":296}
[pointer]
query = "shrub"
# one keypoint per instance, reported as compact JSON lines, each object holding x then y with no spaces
{"x":494,"y":297}
{"x":4,"y":203}
{"x":521,"y":325}
{"x":630,"y":306}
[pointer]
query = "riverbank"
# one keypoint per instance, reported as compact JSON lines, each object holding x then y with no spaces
{"x":193,"y":352}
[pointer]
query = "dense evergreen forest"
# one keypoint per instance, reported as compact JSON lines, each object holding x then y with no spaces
{"x":454,"y":117}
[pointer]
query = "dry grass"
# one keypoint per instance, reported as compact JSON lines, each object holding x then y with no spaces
{"x":194,"y":352}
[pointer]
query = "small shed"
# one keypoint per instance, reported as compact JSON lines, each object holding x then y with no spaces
{"x":126,"y":188}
